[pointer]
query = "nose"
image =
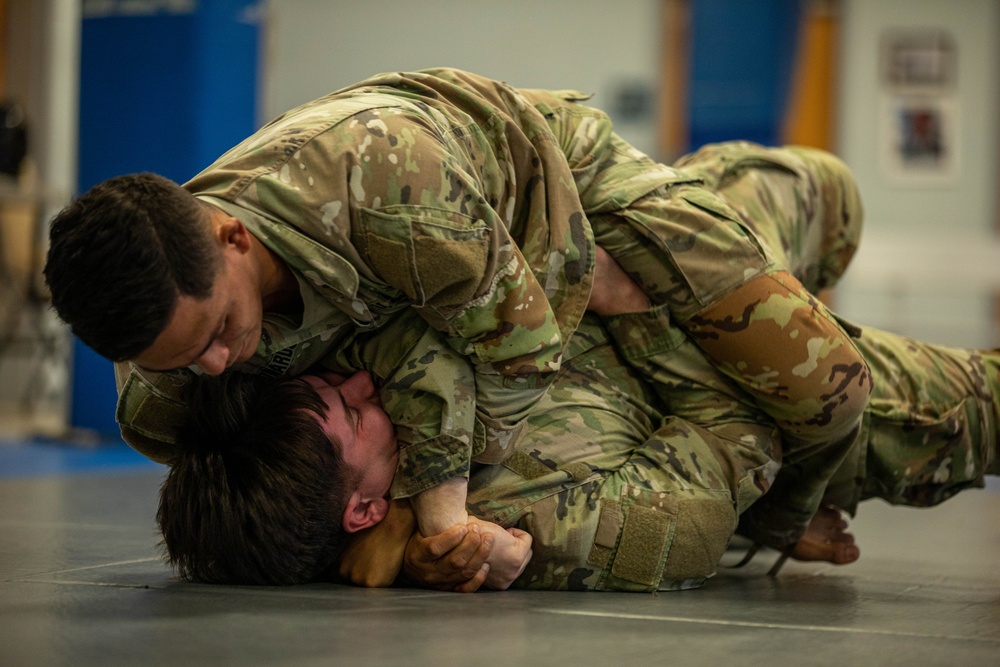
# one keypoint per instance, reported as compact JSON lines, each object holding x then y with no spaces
{"x":214,"y":360}
{"x":358,"y":387}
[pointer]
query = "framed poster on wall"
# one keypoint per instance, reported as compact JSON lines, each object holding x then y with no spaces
{"x":919,"y":108}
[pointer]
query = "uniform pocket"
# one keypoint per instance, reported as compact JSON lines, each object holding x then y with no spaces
{"x":436,"y":257}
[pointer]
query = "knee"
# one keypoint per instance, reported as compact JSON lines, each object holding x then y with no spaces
{"x":703,"y":531}
{"x":665,"y":543}
{"x":838,"y":408}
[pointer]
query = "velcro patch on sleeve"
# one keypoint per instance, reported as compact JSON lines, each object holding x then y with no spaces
{"x":450,"y":270}
{"x":526,"y":466}
{"x":393,"y":259}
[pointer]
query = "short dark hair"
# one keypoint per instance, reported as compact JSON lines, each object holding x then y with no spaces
{"x":257,"y":493}
{"x":120,"y":255}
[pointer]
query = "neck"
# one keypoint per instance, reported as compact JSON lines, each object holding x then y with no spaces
{"x":279,"y":288}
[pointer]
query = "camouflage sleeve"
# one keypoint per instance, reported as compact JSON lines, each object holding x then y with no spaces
{"x":425,"y":226}
{"x":426,"y":388}
{"x":430,"y":398}
{"x":428,"y":391}
{"x":150,"y":408}
{"x":445,"y":245}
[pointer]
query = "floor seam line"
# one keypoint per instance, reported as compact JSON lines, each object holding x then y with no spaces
{"x":768,"y":626}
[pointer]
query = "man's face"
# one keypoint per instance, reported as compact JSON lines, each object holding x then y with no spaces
{"x":355,"y":419}
{"x":212,"y":333}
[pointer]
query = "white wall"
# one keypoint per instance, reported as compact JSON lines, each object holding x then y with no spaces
{"x":930,"y":258}
{"x":315,"y":46}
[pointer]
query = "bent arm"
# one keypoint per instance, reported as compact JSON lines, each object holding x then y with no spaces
{"x":150,"y":409}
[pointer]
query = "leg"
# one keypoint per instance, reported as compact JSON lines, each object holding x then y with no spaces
{"x":729,"y":256}
{"x":693,"y":250}
{"x":931,"y":428}
{"x":709,"y":256}
{"x":617,"y":494}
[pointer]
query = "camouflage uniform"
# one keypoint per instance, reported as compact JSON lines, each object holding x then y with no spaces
{"x":930,"y":428}
{"x":637,"y":464}
{"x":477,"y":204}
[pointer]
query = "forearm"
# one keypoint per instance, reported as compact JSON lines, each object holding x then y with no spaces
{"x":442,"y":506}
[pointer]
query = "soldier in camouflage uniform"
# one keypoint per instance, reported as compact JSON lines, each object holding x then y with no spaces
{"x":477,"y":205}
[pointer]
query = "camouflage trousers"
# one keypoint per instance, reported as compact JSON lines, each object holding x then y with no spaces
{"x":738,"y":264}
{"x":929,"y":429}
{"x":735,"y":240}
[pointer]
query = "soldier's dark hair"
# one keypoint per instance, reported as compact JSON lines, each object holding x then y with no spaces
{"x":121,"y":254}
{"x":257,"y":492}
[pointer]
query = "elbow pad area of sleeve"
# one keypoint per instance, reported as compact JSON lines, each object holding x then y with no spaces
{"x":652,"y":541}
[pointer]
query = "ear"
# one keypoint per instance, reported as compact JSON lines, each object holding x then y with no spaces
{"x":230,"y":232}
{"x":363,"y":512}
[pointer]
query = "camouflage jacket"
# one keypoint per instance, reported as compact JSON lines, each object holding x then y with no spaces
{"x":440,"y":191}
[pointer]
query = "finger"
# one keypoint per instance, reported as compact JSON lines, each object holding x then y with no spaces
{"x":478,"y":559}
{"x":438,"y":545}
{"x":462,"y":556}
{"x":521,"y":535}
{"x":472,"y":585}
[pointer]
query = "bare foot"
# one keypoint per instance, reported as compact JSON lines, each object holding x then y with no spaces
{"x":614,"y":291}
{"x":825,"y":539}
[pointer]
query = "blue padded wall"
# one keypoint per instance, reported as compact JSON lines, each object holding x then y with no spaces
{"x":164,"y":87}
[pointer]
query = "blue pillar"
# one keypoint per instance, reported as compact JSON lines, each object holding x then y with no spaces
{"x":164,"y":87}
{"x":742,"y":61}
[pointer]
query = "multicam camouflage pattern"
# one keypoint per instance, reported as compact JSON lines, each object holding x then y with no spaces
{"x":474,"y":203}
{"x":802,"y":204}
{"x":469,"y":201}
{"x":931,"y":424}
{"x":617,"y":493}
{"x":622,"y":479}
{"x":735,"y":257}
{"x":438,"y":190}
{"x":731,"y":267}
